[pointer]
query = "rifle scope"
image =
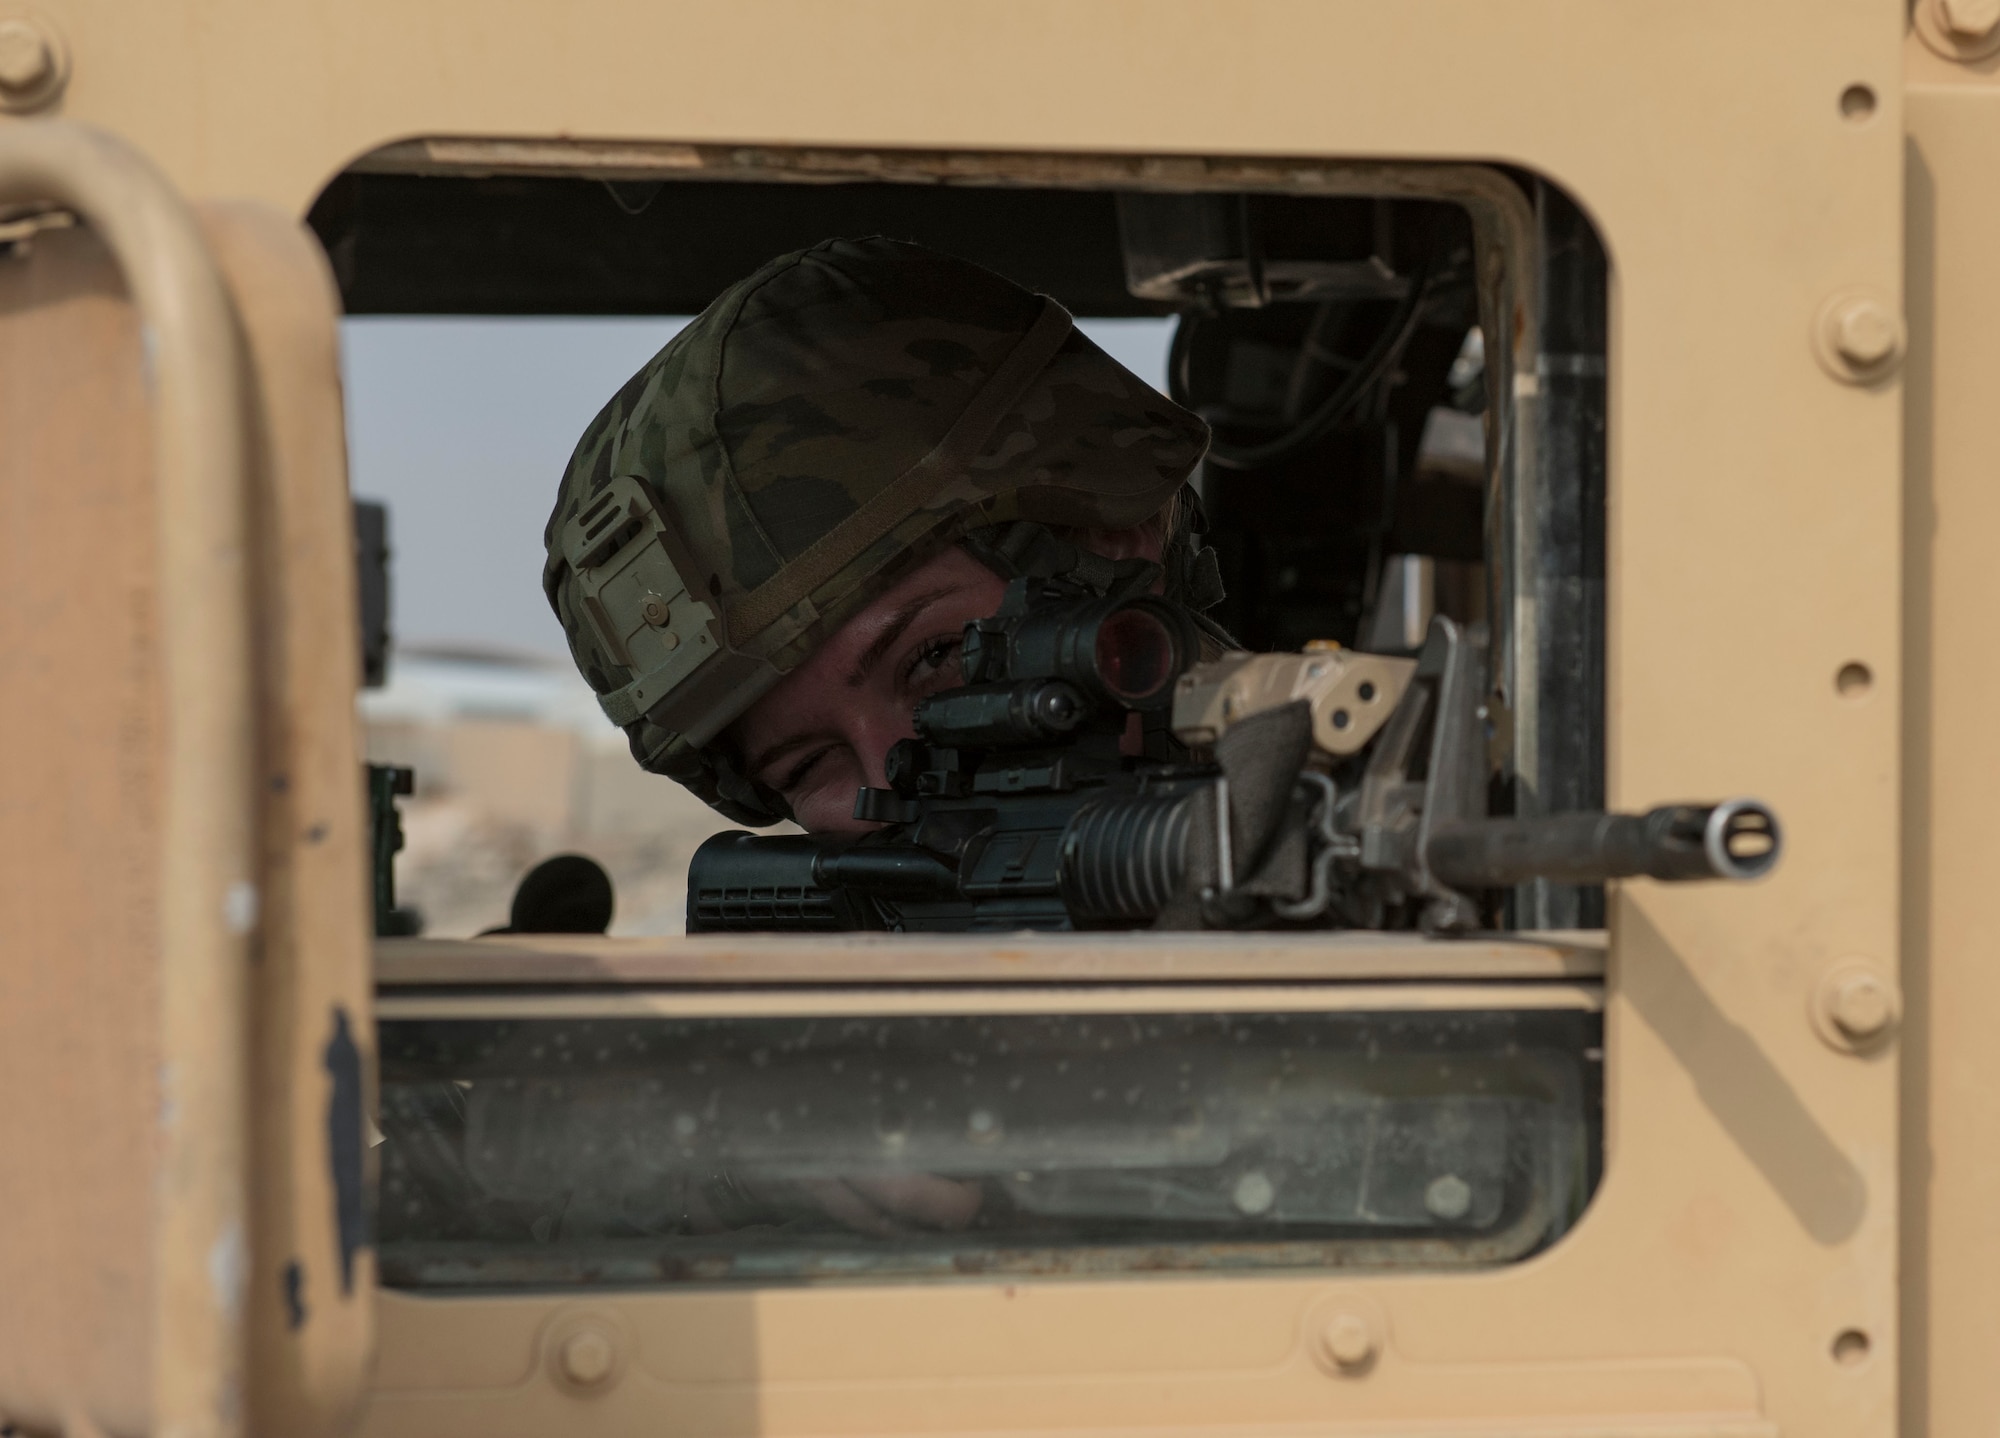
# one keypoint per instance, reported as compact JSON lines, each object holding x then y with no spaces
{"x":1123,"y":652}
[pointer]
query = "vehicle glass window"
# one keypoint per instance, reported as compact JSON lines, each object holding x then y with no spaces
{"x":661,"y":1150}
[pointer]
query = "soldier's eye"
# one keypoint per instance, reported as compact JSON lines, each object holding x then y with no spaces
{"x":796,"y":775}
{"x":938,"y":659}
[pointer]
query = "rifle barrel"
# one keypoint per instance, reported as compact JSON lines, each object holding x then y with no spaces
{"x":1738,"y":839}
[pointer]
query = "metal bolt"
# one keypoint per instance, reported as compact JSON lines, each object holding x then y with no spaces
{"x":655,"y":611}
{"x":1861,"y":1006}
{"x":1864,"y":332}
{"x":587,"y":1357}
{"x":1855,"y":1007}
{"x":1348,"y":1340}
{"x":1969,"y":20}
{"x":26,"y":61}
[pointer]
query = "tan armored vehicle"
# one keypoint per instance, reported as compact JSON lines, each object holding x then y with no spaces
{"x":1717,"y":484}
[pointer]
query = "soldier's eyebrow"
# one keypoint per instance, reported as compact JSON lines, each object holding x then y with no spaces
{"x":899,"y":621}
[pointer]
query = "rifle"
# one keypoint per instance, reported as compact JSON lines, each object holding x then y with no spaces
{"x":1323,"y":789}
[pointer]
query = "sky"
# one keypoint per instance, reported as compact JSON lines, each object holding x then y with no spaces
{"x":463,"y":426}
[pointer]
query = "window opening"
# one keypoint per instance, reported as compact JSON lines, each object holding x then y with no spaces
{"x":1404,"y":369}
{"x":1238,"y":253}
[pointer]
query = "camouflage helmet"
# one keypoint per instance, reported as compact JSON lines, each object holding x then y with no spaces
{"x":840,"y":416}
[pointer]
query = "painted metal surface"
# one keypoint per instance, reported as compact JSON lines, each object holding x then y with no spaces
{"x":1951,"y":1074}
{"x":203,"y":898}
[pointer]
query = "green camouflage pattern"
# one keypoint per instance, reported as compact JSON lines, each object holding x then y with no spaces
{"x":797,"y":395}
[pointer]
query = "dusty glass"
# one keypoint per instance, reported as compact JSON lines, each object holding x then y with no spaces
{"x":558,"y":1152}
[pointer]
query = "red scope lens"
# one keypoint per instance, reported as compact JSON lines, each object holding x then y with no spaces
{"x":1136,"y":658}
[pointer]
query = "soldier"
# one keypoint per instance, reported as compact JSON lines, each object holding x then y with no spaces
{"x":767,"y":544}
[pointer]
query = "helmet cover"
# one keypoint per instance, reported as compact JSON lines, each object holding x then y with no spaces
{"x":837,"y":418}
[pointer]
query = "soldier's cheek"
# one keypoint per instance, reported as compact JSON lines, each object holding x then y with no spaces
{"x":827,"y":806}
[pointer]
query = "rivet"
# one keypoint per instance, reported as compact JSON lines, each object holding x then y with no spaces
{"x":1963,"y":30}
{"x":1971,"y":20}
{"x":34,"y":66}
{"x":25,"y":57}
{"x":587,"y":1358}
{"x":1349,"y":1341}
{"x":1857,"y":337}
{"x":1855,"y":1008}
{"x":1861,"y":1007}
{"x":1864,"y":333}
{"x":655,"y":612}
